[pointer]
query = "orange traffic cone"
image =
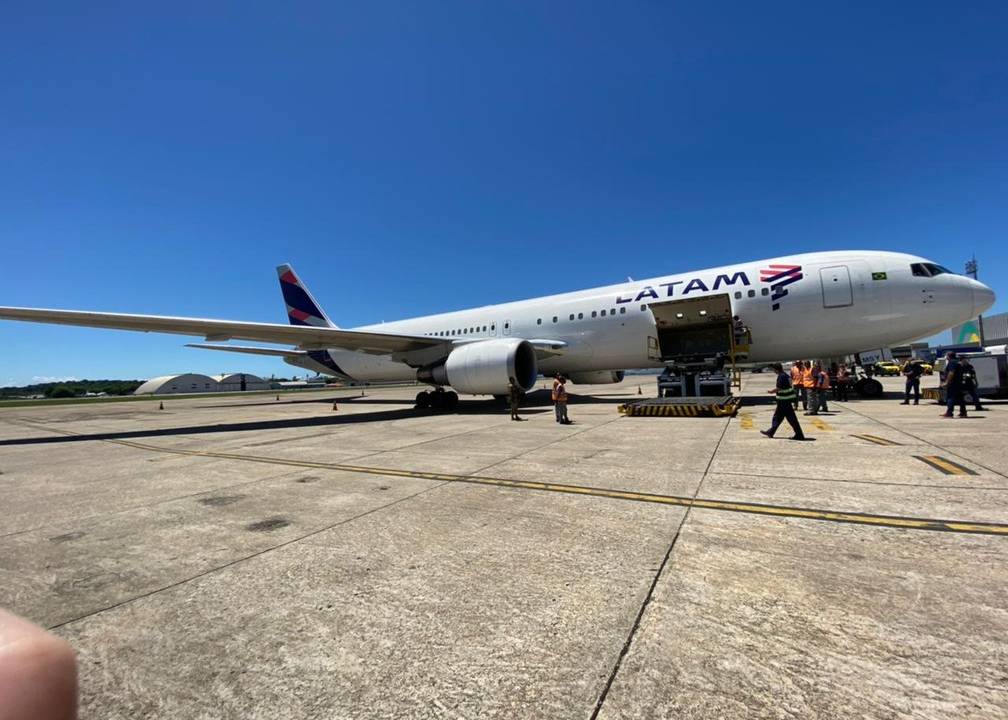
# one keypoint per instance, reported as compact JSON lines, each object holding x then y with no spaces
{"x":639,"y":391}
{"x":161,"y":405}
{"x":334,"y":407}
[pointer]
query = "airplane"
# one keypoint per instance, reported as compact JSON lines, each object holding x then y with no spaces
{"x":818,"y":305}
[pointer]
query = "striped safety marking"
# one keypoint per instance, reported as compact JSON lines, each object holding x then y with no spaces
{"x":876,"y":439}
{"x":945,"y":465}
{"x":746,"y":421}
{"x":644,"y":409}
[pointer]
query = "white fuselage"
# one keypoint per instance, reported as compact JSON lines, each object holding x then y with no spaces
{"x":834,"y":304}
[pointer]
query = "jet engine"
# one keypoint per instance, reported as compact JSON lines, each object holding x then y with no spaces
{"x":483,"y":367}
{"x":597,"y":377}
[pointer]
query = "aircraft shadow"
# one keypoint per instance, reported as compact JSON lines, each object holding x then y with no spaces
{"x":284,"y":424}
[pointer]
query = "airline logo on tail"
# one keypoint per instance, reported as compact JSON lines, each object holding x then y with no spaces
{"x":301,"y":306}
{"x":779,"y":277}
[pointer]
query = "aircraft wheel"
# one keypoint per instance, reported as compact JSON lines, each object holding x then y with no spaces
{"x":451,"y":400}
{"x":868,"y":388}
{"x":423,"y":399}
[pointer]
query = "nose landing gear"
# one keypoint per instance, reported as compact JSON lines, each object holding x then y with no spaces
{"x":437,"y":399}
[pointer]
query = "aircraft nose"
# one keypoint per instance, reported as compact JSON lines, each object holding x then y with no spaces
{"x":983,"y":297}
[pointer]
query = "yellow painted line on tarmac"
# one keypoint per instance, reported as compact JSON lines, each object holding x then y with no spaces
{"x":822,"y":425}
{"x":876,"y":439}
{"x":853,"y":518}
{"x":945,"y":465}
{"x":746,"y":421}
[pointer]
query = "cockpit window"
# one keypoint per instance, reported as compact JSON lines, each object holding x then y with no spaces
{"x":929,"y":270}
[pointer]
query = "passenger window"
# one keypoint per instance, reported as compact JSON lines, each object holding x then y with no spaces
{"x":538,"y":321}
{"x":507,"y":325}
{"x":572,"y":316}
{"x":738,"y":294}
{"x":465,"y":331}
{"x":612,"y":311}
{"x":580,"y":316}
{"x":484,"y":328}
{"x":622,"y":311}
{"x":643,"y":308}
{"x":594,"y":313}
{"x":554,"y":318}
{"x":752,"y":293}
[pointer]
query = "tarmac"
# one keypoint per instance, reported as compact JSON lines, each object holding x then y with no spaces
{"x":260,"y":558}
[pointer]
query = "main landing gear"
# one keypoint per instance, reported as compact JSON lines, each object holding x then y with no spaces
{"x":437,"y":399}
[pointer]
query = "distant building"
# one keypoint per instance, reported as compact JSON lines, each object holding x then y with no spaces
{"x":178,"y":384}
{"x":196,"y":383}
{"x":240,"y":382}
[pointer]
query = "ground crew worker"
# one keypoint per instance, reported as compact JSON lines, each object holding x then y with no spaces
{"x":785,"y":393}
{"x":953,"y":383}
{"x":796,"y":382}
{"x":741,"y":331}
{"x":912,"y":370}
{"x":806,"y":383}
{"x":514,"y":395}
{"x":970,"y":383}
{"x":842,"y":382}
{"x":560,"y":398}
{"x":813,"y":386}
{"x":822,"y":381}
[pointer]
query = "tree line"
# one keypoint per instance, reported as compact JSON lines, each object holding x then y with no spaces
{"x":72,"y":388}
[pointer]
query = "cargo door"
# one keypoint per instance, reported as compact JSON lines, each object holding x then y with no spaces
{"x":836,"y":286}
{"x":694,"y":328}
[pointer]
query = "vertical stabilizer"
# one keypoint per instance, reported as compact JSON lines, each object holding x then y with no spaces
{"x":301,"y":306}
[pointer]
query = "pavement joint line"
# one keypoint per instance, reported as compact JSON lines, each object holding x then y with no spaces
{"x":251,"y":556}
{"x":928,"y":442}
{"x":945,"y":465}
{"x":781,"y":511}
{"x":133,"y":508}
{"x":654,"y":582}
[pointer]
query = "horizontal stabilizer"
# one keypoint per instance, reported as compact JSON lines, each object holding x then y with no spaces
{"x":277,"y":352}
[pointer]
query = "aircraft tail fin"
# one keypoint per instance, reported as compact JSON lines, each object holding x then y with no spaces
{"x":302,"y":309}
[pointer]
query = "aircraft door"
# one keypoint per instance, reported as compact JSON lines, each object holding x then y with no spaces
{"x":836,"y":286}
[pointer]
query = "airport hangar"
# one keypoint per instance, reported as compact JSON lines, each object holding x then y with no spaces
{"x":187,"y":383}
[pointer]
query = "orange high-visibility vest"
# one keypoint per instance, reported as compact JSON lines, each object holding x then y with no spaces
{"x":796,"y":376}
{"x":806,"y":378}
{"x":824,"y":383}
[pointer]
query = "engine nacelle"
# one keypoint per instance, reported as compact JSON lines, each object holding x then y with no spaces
{"x":597,"y":377}
{"x":483,"y":367}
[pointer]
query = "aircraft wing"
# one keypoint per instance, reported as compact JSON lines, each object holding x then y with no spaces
{"x":303,"y":336}
{"x":276,"y":352}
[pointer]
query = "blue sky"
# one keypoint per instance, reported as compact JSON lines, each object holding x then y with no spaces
{"x":409,"y":158}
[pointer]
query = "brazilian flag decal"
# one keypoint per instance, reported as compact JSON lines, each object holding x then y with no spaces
{"x":878,"y":276}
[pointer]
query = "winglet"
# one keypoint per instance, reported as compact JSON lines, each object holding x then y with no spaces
{"x":302,"y":309}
